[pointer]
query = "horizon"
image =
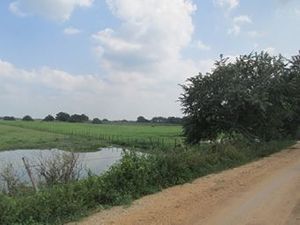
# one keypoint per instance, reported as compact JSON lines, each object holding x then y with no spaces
{"x":120,"y":59}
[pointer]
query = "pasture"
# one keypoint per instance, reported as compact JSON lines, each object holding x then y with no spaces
{"x":86,"y":136}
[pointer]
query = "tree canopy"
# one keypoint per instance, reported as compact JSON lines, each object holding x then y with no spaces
{"x":76,"y":118}
{"x":62,"y":116}
{"x":27,"y":118}
{"x":49,"y":118}
{"x":142,"y":119}
{"x":96,"y":121}
{"x":257,"y":95}
{"x":9,"y":118}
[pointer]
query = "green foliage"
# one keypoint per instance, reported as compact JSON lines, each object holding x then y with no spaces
{"x":134,"y":176}
{"x":258,"y":96}
{"x":142,"y":119}
{"x":9,"y":118}
{"x":49,"y":118}
{"x":62,"y":116}
{"x":8,"y":209}
{"x":96,"y":121}
{"x":78,"y":118}
{"x":27,"y":118}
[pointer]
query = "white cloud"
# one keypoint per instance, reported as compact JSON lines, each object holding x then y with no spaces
{"x":242,"y":19}
{"x":234,"y":30}
{"x":122,"y":95}
{"x":227,"y":4}
{"x":297,"y":12}
{"x":110,"y":41}
{"x":49,"y":78}
{"x":14,"y":8}
{"x":201,"y":46}
{"x":60,"y":10}
{"x":255,"y":34}
{"x":151,"y":32}
{"x":238,"y":22}
{"x":71,"y":31}
{"x":142,"y":63}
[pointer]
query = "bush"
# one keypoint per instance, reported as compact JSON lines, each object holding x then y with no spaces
{"x":78,"y":118}
{"x":62,"y":116}
{"x":49,"y":118}
{"x":60,"y":168}
{"x":96,"y":121}
{"x":9,"y":118}
{"x":8,"y":210}
{"x":27,"y":118}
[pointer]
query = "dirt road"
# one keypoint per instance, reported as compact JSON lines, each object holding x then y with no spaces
{"x":266,"y":192}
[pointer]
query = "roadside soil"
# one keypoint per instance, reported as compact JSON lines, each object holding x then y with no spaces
{"x":265,"y":192}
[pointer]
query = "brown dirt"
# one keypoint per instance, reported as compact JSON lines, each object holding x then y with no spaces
{"x":265,"y":192}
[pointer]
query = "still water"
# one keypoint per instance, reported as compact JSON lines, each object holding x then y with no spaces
{"x":97,"y":162}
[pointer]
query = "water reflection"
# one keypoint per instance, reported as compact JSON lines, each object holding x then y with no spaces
{"x":96,"y":162}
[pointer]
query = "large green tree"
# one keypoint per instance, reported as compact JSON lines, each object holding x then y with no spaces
{"x":256,"y":95}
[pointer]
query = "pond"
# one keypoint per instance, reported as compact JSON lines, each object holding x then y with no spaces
{"x":95,"y":162}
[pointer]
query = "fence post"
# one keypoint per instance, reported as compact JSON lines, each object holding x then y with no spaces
{"x":30,"y":174}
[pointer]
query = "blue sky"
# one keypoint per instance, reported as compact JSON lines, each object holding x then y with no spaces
{"x":124,"y":58}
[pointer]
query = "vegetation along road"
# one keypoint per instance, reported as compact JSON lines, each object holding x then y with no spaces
{"x":265,"y":192}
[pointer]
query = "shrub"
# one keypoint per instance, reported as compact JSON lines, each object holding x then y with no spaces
{"x":59,"y":168}
{"x":8,"y":210}
{"x":96,"y":121}
{"x":49,"y":118}
{"x":9,"y":180}
{"x":78,"y":118}
{"x":9,"y":118}
{"x":62,"y":116}
{"x":27,"y":118}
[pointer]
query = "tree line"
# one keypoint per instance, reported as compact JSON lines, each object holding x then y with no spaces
{"x":160,"y":119}
{"x":82,"y":118}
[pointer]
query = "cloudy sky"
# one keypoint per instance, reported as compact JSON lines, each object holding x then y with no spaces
{"x":120,"y":59}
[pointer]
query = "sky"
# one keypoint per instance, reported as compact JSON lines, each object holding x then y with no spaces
{"x":119,"y":59}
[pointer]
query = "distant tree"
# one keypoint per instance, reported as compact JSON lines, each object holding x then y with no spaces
{"x":62,"y":116}
{"x":174,"y":120}
{"x":9,"y":118}
{"x":78,"y":118}
{"x":49,"y":118}
{"x":142,"y":119}
{"x":159,"y":119}
{"x":27,"y":118}
{"x":105,"y":120}
{"x":84,"y":118}
{"x":96,"y":121}
{"x":257,"y":95}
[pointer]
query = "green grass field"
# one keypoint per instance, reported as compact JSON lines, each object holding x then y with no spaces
{"x":86,"y":137}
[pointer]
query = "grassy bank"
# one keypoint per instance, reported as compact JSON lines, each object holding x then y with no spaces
{"x":128,"y":135}
{"x":134,"y":176}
